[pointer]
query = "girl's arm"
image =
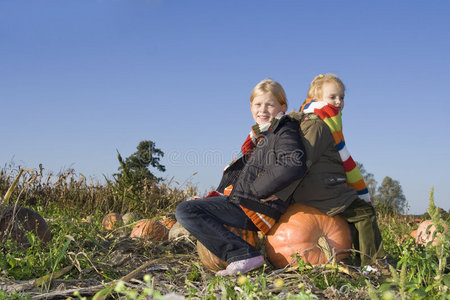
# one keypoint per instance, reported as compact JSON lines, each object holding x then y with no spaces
{"x":290,"y":164}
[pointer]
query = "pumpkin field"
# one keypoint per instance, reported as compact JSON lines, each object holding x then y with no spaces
{"x":65,"y":237}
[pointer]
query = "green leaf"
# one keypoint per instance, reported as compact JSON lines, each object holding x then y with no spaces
{"x":446,"y":280}
{"x":386,"y":286}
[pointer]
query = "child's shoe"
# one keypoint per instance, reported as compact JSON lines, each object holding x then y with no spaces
{"x":366,"y":270}
{"x":242,"y":266}
{"x":381,"y":267}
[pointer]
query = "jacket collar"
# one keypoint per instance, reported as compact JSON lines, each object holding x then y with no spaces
{"x":259,"y":130}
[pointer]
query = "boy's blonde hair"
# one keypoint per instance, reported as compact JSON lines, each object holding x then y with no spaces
{"x":269,"y":86}
{"x":316,"y":86}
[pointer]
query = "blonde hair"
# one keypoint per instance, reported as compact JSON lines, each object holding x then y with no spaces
{"x":316,"y":86}
{"x":269,"y":86}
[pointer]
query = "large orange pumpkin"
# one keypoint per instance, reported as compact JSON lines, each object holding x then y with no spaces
{"x":150,"y":229}
{"x":306,"y":231}
{"x":111,"y":221}
{"x":425,"y":233}
{"x":214,"y":263}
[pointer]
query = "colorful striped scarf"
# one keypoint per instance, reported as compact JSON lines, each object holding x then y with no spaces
{"x":333,"y":118}
{"x":253,"y":137}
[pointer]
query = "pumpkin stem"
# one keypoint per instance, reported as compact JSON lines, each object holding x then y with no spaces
{"x":324,"y":246}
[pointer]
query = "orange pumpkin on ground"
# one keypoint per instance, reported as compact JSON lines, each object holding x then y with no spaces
{"x":214,"y":263}
{"x":406,"y":237}
{"x":112,"y":221}
{"x":425,"y":233}
{"x":150,"y":229}
{"x":306,"y":231}
{"x":168,"y":222}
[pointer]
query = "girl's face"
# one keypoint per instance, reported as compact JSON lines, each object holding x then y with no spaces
{"x":265,"y":107}
{"x":333,"y":94}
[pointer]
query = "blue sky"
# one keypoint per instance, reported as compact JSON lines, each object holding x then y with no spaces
{"x":82,"y":79}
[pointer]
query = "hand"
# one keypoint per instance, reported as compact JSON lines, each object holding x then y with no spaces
{"x":270,"y":198}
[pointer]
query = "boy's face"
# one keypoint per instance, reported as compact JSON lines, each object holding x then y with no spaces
{"x":265,"y":107}
{"x":333,"y":94}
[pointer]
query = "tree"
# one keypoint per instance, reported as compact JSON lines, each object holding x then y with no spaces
{"x":134,"y":176}
{"x":138,"y":163}
{"x":371,"y":183}
{"x":390,"y":198}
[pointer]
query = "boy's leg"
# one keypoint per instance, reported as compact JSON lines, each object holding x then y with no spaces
{"x":362,"y":216}
{"x":204,"y":219}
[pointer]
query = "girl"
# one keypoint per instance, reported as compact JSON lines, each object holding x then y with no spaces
{"x":271,"y":158}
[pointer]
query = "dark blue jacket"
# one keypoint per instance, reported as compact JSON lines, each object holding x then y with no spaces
{"x":276,"y":162}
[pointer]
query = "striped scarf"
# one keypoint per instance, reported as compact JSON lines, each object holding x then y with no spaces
{"x":333,"y":118}
{"x":256,"y":133}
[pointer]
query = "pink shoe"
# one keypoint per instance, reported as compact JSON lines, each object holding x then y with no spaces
{"x":242,"y":266}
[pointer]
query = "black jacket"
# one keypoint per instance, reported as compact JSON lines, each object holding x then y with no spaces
{"x":277,"y":161}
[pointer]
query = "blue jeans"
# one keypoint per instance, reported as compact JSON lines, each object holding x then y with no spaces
{"x":204,"y":219}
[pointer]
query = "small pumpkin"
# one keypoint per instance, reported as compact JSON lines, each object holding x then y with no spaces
{"x":112,"y":221}
{"x":150,"y":229}
{"x":308,"y":232}
{"x":413,"y":234}
{"x":211,"y":261}
{"x":16,"y":221}
{"x":425,"y":233}
{"x":168,"y":222}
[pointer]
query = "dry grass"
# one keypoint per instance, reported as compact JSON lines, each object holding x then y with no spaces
{"x":72,"y":191}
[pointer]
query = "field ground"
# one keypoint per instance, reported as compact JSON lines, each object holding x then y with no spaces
{"x":84,"y":261}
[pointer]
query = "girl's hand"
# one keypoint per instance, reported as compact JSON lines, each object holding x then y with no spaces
{"x":270,"y":198}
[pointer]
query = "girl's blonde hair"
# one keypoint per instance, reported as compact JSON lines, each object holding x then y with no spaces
{"x":269,"y":86}
{"x":316,"y":86}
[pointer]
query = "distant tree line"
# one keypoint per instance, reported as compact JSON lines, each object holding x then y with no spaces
{"x":388,"y":198}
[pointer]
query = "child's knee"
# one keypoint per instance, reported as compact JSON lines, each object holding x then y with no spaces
{"x":182,"y":211}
